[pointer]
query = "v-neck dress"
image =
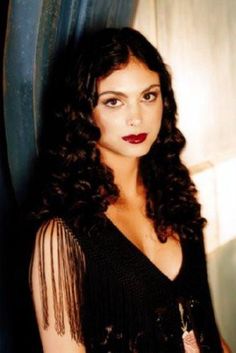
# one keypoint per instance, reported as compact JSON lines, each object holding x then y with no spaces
{"x":130,"y":306}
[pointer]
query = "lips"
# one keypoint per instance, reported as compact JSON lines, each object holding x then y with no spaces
{"x":135,"y":139}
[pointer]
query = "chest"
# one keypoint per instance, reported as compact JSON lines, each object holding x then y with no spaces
{"x":124,"y":285}
{"x":139,"y":231}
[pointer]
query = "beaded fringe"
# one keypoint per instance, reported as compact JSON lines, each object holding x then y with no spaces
{"x":117,"y":316}
{"x":67,"y":287}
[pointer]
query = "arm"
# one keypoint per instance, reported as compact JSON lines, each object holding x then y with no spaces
{"x":225,"y":346}
{"x":53,"y":289}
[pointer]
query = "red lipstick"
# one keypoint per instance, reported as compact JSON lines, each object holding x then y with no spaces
{"x":135,"y":139}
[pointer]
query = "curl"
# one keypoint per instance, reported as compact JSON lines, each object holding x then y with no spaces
{"x":78,"y":184}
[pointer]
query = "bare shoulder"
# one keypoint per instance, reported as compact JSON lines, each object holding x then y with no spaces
{"x":55,"y":279}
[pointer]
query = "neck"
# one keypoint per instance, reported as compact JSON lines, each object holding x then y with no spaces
{"x":126,"y":175}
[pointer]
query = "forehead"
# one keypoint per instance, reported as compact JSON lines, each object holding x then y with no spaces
{"x":133,"y":74}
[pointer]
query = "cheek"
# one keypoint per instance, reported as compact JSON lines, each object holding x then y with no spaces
{"x":106,"y":126}
{"x":156,"y":115}
{"x":160,"y":113}
{"x":99,"y":120}
{"x":107,"y":123}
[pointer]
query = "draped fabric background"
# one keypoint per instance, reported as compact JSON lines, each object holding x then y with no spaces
{"x":35,"y":33}
{"x":197,"y":40}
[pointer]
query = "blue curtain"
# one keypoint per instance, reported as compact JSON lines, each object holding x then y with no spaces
{"x":34,"y":32}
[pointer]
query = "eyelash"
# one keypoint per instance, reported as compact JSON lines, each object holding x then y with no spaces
{"x":108,"y":102}
{"x":153,"y":94}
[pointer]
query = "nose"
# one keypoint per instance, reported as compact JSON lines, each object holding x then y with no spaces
{"x":134,"y":115}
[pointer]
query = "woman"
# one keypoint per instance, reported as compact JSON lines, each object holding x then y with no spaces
{"x":119,"y":263}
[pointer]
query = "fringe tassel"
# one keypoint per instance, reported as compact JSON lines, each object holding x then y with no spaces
{"x":67,"y":285}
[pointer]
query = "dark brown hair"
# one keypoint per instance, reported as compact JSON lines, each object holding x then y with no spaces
{"x":77,"y":184}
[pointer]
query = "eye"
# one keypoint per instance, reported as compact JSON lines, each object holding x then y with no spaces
{"x":112,"y":102}
{"x":150,"y":96}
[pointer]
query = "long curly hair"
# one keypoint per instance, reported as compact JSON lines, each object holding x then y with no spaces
{"x":77,"y":185}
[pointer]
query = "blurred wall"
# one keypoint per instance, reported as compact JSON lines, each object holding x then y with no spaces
{"x":197,"y":39}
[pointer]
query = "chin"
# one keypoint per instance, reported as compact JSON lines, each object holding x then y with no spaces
{"x":142,"y":152}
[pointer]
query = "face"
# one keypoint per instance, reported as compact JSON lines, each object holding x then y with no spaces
{"x":129,"y":110}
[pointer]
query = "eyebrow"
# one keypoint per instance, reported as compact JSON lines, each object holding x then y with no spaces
{"x":124,"y":95}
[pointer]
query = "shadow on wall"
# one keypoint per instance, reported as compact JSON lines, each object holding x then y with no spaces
{"x":222,"y":278}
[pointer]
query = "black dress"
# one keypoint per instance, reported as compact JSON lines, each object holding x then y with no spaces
{"x":127,"y":305}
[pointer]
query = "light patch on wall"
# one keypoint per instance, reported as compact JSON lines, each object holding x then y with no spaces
{"x":226,"y":199}
{"x":197,"y":40}
{"x":217,"y":194}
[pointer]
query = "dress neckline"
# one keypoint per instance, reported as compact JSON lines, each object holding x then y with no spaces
{"x":126,"y":241}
